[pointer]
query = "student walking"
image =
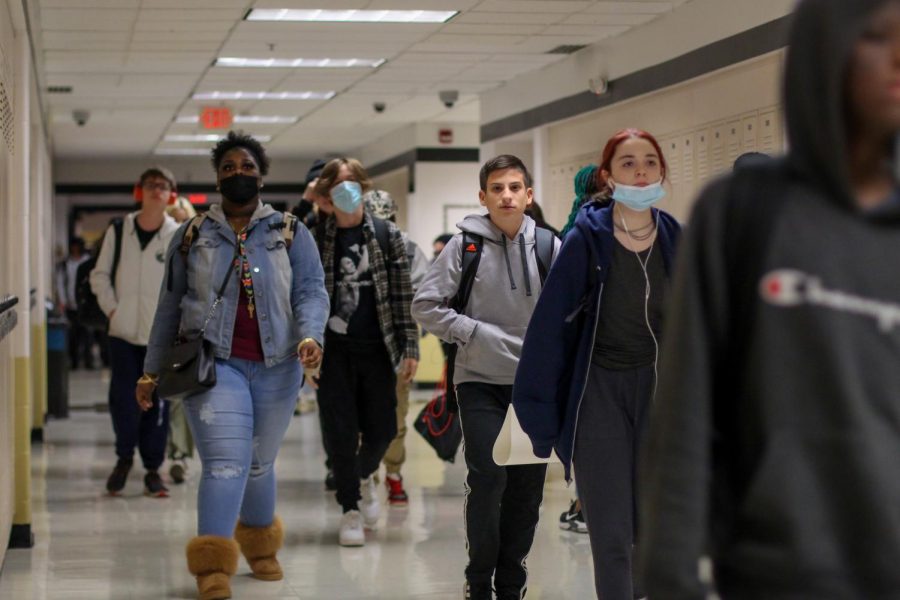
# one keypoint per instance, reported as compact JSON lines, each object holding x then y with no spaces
{"x":249,"y":277}
{"x":588,"y":369}
{"x":371,"y":339}
{"x":775,"y":444}
{"x":502,"y":503}
{"x":129,"y":299}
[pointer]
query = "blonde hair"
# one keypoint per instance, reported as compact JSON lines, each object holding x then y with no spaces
{"x":328,"y":176}
{"x":184,"y":204}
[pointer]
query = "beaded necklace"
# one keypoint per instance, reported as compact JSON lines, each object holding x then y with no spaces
{"x":244,"y":263}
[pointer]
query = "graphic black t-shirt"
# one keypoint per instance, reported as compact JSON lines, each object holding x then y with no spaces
{"x":353,"y":309}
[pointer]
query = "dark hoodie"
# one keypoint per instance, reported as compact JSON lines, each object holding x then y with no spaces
{"x":775,"y":439}
{"x":552,"y":373}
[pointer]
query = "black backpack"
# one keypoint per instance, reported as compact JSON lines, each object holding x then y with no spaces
{"x":89,"y":312}
{"x":471,"y":249}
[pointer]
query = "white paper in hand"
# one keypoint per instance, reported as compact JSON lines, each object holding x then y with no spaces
{"x":513,"y":446}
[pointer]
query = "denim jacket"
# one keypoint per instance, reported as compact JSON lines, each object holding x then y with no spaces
{"x":288,"y":286}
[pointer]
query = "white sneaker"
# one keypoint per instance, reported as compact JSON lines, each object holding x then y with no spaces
{"x":352,"y":533}
{"x":369,"y":506}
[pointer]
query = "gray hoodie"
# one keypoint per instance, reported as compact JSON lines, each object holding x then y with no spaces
{"x":490,"y":331}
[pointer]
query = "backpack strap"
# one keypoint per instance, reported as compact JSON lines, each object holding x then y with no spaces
{"x":289,"y":228}
{"x":470,"y":250}
{"x":382,"y":235}
{"x":117,"y":225}
{"x":190,"y":234}
{"x":544,"y":244}
{"x":187,"y":239}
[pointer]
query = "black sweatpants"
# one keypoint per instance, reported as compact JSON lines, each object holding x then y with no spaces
{"x":502,"y":503}
{"x":357,"y":395}
{"x":612,"y":422}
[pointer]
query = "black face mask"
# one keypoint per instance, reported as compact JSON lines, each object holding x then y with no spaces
{"x":240,"y":189}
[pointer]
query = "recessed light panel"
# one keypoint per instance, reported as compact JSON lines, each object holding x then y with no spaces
{"x":299,"y":63}
{"x":218,"y":95}
{"x":352,"y":16}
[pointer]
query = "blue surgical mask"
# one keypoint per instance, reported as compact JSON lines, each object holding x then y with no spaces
{"x":347,"y":196}
{"x":638,"y":198}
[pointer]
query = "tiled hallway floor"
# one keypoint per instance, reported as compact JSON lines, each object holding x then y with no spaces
{"x":93,"y":547}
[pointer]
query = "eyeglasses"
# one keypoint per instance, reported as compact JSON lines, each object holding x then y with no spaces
{"x":159,"y":185}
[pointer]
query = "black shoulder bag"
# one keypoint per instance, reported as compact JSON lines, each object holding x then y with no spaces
{"x":189,"y":366}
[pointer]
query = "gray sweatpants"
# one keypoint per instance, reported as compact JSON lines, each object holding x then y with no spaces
{"x":612,"y":422}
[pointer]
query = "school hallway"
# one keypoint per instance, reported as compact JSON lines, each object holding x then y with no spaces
{"x":90,"y":546}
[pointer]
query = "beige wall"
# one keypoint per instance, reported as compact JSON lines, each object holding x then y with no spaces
{"x":702,"y":125}
{"x":396,"y":183}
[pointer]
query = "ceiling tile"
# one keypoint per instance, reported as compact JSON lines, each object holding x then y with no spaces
{"x":533,"y":6}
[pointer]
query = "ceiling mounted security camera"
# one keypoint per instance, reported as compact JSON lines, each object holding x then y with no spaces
{"x":379,"y":107}
{"x":80,"y":117}
{"x":448,"y":97}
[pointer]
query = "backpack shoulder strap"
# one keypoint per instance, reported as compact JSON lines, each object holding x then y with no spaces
{"x":289,"y":228}
{"x":190,"y":234}
{"x":470,"y":249}
{"x":382,"y":235}
{"x":544,"y":244}
{"x":118,"y":225}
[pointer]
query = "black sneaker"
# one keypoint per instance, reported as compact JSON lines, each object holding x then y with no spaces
{"x":153,"y":485}
{"x":572,"y":520}
{"x":117,"y":478}
{"x":177,"y":471}
{"x":330,"y":482}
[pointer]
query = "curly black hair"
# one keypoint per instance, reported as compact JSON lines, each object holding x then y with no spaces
{"x":239,"y":139}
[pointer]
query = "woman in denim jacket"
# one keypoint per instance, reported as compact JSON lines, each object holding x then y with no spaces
{"x":273,"y":308}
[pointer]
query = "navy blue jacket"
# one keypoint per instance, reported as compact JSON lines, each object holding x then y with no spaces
{"x":556,"y":354}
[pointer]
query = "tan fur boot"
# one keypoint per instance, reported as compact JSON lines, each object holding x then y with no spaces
{"x":212,"y":560}
{"x":259,"y":545}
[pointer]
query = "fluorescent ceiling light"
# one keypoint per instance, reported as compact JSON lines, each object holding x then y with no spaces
{"x":181,"y":151}
{"x":210,"y":137}
{"x":300,"y":63}
{"x":263,"y":95}
{"x":352,"y":16}
{"x":255,"y":119}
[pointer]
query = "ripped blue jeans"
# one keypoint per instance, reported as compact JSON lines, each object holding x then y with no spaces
{"x":238,"y":426}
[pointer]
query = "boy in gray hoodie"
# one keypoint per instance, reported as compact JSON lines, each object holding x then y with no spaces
{"x":501,"y":508}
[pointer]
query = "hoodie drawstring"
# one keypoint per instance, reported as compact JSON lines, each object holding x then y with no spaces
{"x":512,"y":282}
{"x":525,"y":264}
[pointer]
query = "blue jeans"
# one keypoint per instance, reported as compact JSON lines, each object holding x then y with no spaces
{"x":238,"y":426}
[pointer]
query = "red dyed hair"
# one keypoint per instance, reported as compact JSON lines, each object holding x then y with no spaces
{"x":610,"y":150}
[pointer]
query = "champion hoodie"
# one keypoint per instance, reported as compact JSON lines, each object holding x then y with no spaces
{"x":774,"y":444}
{"x":490,"y":329}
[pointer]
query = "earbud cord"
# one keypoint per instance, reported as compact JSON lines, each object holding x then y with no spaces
{"x":644,"y":264}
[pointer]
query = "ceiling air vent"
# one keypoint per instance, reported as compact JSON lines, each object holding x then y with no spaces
{"x":7,"y":124}
{"x":566,"y":49}
{"x":59,"y":89}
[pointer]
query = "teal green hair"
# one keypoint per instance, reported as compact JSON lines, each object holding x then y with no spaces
{"x":585,"y":188}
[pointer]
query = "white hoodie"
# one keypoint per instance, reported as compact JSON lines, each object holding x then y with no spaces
{"x":139,"y":276}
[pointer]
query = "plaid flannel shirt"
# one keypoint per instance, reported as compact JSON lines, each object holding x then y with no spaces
{"x":393,"y":290}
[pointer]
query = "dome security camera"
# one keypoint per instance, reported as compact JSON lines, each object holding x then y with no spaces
{"x":379,"y":107}
{"x":81,"y":117}
{"x":448,"y":97}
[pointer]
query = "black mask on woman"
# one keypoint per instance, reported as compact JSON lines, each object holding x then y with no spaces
{"x":240,"y":189}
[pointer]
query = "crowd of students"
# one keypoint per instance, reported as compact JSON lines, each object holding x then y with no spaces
{"x":731,"y":394}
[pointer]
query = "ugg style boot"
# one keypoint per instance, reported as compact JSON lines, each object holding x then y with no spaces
{"x":212,"y":560}
{"x":259,"y":545}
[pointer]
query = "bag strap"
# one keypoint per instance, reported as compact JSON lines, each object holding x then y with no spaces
{"x":117,"y":225}
{"x":220,"y":293}
{"x":544,"y":243}
{"x":382,"y":235}
{"x":470,"y":249}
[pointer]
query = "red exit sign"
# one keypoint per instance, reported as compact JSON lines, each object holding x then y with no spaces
{"x":216,"y":117}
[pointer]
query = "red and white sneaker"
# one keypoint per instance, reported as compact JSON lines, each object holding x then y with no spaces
{"x":396,"y":494}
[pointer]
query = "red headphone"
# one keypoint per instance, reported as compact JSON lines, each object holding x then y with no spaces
{"x":138,"y":193}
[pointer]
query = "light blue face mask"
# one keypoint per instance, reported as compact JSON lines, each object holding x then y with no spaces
{"x":639,"y":198}
{"x":347,"y":196}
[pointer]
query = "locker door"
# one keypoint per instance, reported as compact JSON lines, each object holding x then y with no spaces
{"x":717,"y":149}
{"x":749,"y":133}
{"x":733,"y":139}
